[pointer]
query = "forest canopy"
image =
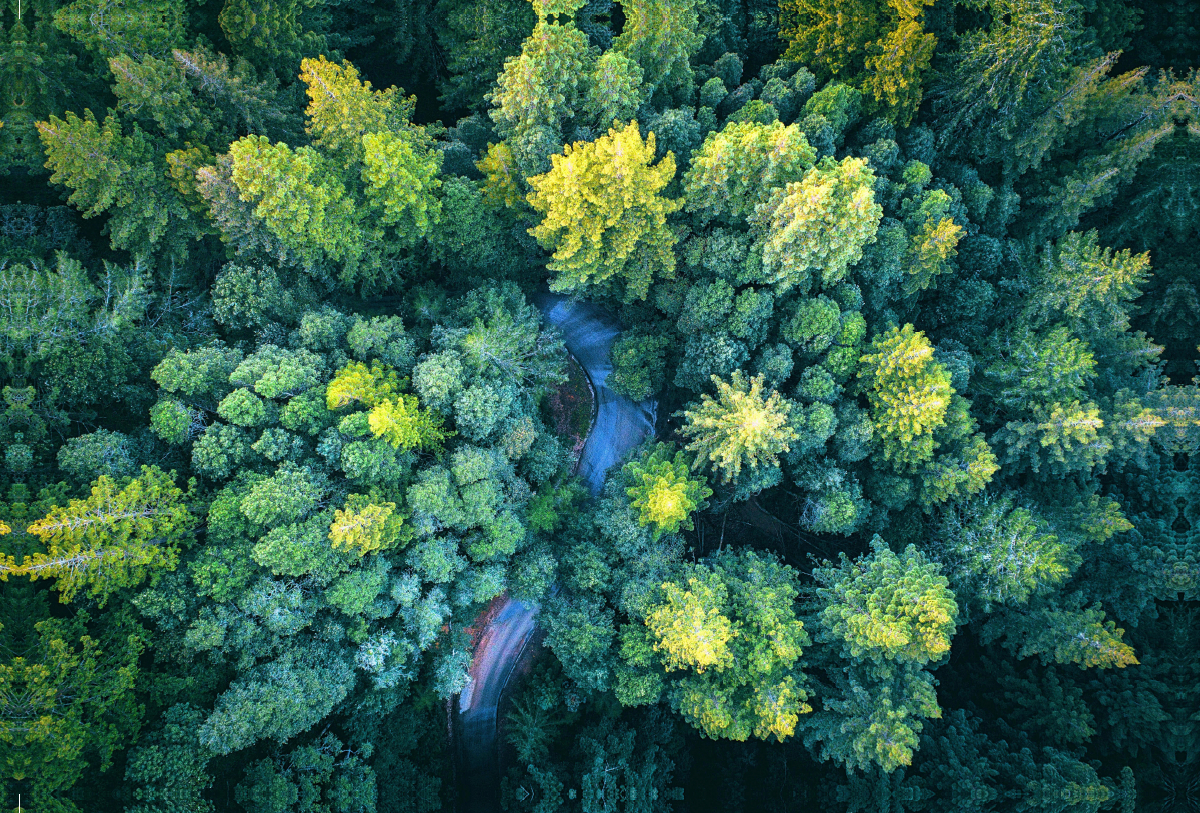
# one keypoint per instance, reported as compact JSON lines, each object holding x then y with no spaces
{"x":900,"y":294}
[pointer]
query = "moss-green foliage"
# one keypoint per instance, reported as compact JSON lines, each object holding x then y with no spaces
{"x":276,"y":401}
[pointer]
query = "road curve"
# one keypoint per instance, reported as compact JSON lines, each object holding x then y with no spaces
{"x":620,"y":424}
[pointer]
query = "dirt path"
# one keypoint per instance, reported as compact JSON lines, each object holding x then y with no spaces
{"x":620,"y":425}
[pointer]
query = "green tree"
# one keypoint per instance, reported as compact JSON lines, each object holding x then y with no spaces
{"x":664,"y":494}
{"x":477,"y":40}
{"x":888,"y":607}
{"x":113,"y":539}
{"x":113,"y":27}
{"x":879,"y":46}
{"x":300,"y":200}
{"x":888,"y":618}
{"x":909,"y":392}
{"x":739,"y":166}
{"x":539,"y":89}
{"x":998,"y":553}
{"x":661,"y":36}
{"x":1062,"y":632}
{"x":814,"y":229}
{"x":168,"y":768}
{"x":109,"y":172}
{"x":77,"y":707}
{"x":604,"y":216}
{"x":277,"y":700}
{"x":614,"y":90}
{"x":739,"y":427}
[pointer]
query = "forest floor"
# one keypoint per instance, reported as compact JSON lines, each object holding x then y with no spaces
{"x":573,"y":407}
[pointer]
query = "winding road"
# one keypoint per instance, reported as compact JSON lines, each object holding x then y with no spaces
{"x":620,"y":424}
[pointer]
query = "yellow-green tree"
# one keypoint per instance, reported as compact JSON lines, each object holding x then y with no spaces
{"x":664,"y":494}
{"x":737,"y":167}
{"x":690,"y":631}
{"x":401,"y":422}
{"x":888,"y":607}
{"x":356,"y":383}
{"x":879,"y":46}
{"x":342,"y":108}
{"x":814,"y":229}
{"x":604,"y":216}
{"x":740,"y":427}
{"x":364,"y":526}
{"x":728,"y":630}
{"x":909,"y":393}
{"x":114,"y":538}
{"x":300,"y":199}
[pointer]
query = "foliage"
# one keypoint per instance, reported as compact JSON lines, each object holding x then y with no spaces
{"x":598,"y":233}
{"x":740,"y":426}
{"x":665,"y":494}
{"x":279,"y":389}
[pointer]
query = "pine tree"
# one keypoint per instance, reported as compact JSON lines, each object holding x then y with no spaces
{"x":111,"y":173}
{"x":738,"y":167}
{"x":814,"y":229}
{"x":661,"y":36}
{"x":888,"y":607}
{"x":300,"y":200}
{"x":880,"y":47}
{"x":738,"y":428}
{"x":909,"y":393}
{"x":113,"y":539}
{"x":664,"y":494}
{"x":727,"y":629}
{"x":604,"y":216}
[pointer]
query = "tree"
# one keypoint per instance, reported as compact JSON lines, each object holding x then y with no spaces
{"x":729,"y":626}
{"x":277,"y":700}
{"x":604,"y":218}
{"x":739,"y":427}
{"x":540,"y":87}
{"x":168,"y":768}
{"x":738,"y":167}
{"x":478,"y":39}
{"x":1087,"y":285}
{"x":113,"y":539}
{"x":909,"y":392}
{"x":639,"y":366}
{"x":887,"y":607}
{"x":77,"y":686}
{"x":1068,"y":633}
{"x":664,"y":495}
{"x":113,"y":27}
{"x":999,"y":553}
{"x":1034,"y":368}
{"x":404,"y":425}
{"x":814,"y":229}
{"x":614,"y":90}
{"x":888,"y":618}
{"x":118,"y":174}
{"x":358,"y":384}
{"x":300,"y":200}
{"x":365,"y":527}
{"x":342,"y":109}
{"x":1005,"y":75}
{"x":661,"y":36}
{"x":401,"y":180}
{"x":878,"y":46}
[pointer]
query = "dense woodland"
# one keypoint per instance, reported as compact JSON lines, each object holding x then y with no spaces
{"x":909,"y":280}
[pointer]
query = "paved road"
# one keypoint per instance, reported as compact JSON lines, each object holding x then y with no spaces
{"x":620,"y":424}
